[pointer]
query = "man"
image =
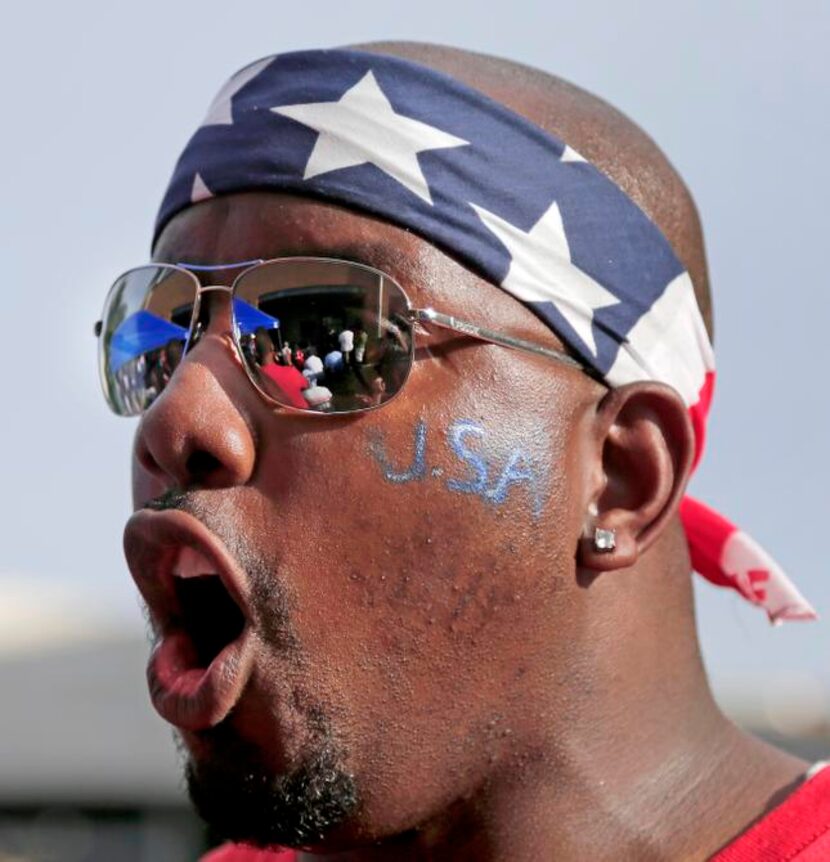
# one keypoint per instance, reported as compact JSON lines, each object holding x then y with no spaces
{"x":333,"y":362}
{"x":289,"y":382}
{"x":346,"y":343}
{"x":313,"y":365}
{"x":491,"y":654}
{"x":360,"y":340}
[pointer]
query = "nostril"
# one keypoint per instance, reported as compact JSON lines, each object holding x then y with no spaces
{"x":201,"y":465}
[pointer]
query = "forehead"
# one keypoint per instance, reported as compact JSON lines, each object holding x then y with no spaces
{"x":264,"y":225}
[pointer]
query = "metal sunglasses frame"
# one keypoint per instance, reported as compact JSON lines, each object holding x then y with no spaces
{"x":416,"y":317}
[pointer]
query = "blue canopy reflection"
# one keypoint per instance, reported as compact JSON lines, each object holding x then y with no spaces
{"x":140,"y":333}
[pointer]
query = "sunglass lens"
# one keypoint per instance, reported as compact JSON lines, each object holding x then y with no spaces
{"x":323,"y":336}
{"x":143,"y":334}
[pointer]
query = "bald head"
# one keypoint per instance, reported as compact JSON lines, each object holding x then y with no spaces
{"x":600,"y":132}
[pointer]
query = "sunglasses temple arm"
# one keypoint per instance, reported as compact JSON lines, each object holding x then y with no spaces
{"x":447,"y":321}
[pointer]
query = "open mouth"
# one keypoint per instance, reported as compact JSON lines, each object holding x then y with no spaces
{"x":197,"y":597}
{"x":207,"y":613}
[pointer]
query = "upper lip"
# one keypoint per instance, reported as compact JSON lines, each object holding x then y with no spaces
{"x":152,"y":541}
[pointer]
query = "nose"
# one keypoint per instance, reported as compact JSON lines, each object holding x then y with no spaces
{"x":198,"y":432}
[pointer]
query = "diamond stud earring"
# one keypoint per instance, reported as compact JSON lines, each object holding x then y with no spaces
{"x":605,"y":540}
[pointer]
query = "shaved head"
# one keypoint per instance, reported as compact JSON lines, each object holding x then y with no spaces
{"x":601,"y":133}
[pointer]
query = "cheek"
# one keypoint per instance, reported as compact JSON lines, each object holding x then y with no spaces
{"x":467,"y":469}
{"x":420,"y":544}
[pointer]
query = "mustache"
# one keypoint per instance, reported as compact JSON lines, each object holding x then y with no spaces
{"x":174,"y":498}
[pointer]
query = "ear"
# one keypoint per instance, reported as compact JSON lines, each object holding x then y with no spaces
{"x":644,"y":453}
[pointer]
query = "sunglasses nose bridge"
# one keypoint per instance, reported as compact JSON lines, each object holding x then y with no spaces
{"x":212,"y":315}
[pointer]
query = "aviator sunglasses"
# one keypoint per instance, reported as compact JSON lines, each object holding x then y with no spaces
{"x":314,"y":334}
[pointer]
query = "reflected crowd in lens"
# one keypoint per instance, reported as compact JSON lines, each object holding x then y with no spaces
{"x":317,"y":335}
{"x":345,"y":370}
{"x":138,"y":382}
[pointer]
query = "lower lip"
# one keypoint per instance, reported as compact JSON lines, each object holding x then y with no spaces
{"x":197,"y":698}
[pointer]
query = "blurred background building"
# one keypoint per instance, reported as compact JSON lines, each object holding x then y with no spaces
{"x":88,"y":772}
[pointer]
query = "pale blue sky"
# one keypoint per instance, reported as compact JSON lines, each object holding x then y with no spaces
{"x":100,"y":97}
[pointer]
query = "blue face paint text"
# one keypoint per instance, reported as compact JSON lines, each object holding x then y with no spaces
{"x":464,"y":439}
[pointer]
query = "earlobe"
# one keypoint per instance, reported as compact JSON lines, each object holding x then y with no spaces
{"x":645,"y":448}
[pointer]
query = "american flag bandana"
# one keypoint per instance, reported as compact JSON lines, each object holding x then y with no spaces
{"x":517,"y":205}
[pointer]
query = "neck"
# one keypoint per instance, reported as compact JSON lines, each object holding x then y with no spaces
{"x":657,"y":792}
{"x":639,"y":763}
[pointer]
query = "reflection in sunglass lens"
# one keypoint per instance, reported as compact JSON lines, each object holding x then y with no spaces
{"x":325,"y":336}
{"x":143,"y":334}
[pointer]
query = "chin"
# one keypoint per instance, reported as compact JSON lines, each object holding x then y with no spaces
{"x":242,"y":799}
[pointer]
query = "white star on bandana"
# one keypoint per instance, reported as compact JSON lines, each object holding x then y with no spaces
{"x":362,"y":128}
{"x":541,"y":270}
{"x":219,"y":113}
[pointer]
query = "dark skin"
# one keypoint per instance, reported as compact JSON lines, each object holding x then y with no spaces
{"x":496,"y":688}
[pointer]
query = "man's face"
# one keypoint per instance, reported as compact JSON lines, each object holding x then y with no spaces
{"x":407,"y":573}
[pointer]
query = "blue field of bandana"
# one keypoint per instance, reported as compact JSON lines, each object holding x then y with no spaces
{"x":423,"y":150}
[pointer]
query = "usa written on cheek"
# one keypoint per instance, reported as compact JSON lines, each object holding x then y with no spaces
{"x":491,"y":479}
